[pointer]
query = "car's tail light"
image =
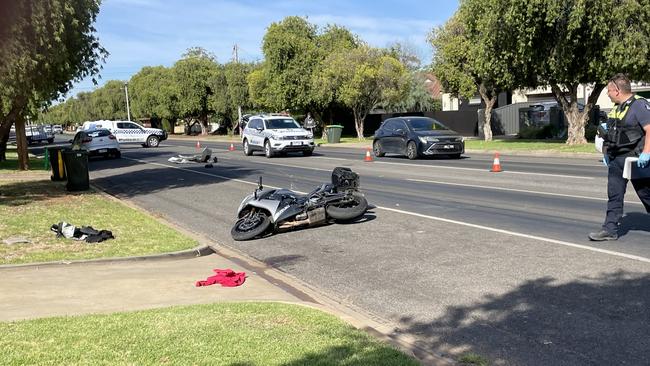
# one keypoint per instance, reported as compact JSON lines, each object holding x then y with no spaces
{"x":111,"y":137}
{"x":86,"y":140}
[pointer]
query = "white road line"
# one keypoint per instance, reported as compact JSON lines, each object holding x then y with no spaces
{"x":460,"y":168}
{"x":283,"y":165}
{"x":512,"y":233}
{"x":507,"y":232}
{"x":515,"y":190}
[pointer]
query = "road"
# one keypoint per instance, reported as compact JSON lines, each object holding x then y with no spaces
{"x":463,"y":259}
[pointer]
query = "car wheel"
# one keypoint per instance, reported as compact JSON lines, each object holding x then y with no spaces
{"x":307,"y":152}
{"x":153,"y":141}
{"x":247,"y":149}
{"x":117,"y":155}
{"x":267,"y":149}
{"x":50,"y":141}
{"x":376,"y":149}
{"x":412,"y":150}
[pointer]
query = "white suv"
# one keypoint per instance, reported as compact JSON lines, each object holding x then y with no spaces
{"x":276,"y":134}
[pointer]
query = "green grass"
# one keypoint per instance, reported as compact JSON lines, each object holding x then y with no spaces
{"x":528,"y":145}
{"x":11,"y":164}
{"x":344,"y":139}
{"x":473,"y":359}
{"x":29,"y":208}
{"x":215,"y":334}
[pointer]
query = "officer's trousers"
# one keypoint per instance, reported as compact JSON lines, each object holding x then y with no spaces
{"x":616,"y":186}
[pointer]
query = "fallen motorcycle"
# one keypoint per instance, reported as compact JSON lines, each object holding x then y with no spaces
{"x":268,"y":210}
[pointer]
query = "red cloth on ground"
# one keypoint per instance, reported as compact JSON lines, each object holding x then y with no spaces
{"x":226,"y":277}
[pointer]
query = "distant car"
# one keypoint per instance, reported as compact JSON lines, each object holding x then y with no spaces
{"x":276,"y":135}
{"x":98,"y":142}
{"x":416,"y":136}
{"x":36,"y":133}
{"x":57,"y":129}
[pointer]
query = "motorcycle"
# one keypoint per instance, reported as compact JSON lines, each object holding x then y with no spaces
{"x":269,"y":210}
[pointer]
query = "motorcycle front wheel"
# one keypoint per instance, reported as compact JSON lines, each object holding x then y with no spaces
{"x":250,"y":226}
{"x":348,"y":209}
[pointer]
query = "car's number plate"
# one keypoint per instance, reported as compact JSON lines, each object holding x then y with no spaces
{"x":296,"y":142}
{"x":101,"y":151}
{"x":448,"y":147}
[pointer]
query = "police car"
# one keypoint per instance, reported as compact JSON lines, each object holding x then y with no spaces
{"x":276,"y":135}
{"x":130,"y":132}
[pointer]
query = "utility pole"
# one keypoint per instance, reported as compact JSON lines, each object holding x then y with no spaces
{"x":235,"y":53}
{"x":236,"y":58}
{"x":128,"y":110}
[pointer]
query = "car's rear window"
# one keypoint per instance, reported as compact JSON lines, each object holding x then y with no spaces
{"x":99,"y":133}
{"x":425,"y":124}
{"x":276,"y":124}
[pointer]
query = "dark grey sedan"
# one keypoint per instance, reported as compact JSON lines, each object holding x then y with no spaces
{"x":415,"y":137}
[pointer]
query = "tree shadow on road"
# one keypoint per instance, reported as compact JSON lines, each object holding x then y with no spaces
{"x":592,"y":321}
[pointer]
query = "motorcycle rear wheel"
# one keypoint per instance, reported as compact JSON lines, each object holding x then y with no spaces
{"x":250,"y":226}
{"x":348,"y":209}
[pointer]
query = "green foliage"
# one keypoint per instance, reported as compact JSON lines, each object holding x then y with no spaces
{"x":192,"y":76}
{"x":418,"y":99}
{"x":363,"y":78}
{"x":109,"y":101}
{"x":153,"y":93}
{"x":45,"y":46}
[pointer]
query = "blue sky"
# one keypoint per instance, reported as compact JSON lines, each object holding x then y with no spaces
{"x":141,"y":33}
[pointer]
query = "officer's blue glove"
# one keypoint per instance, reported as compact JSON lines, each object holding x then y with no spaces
{"x":643,"y":161}
{"x":606,"y":160}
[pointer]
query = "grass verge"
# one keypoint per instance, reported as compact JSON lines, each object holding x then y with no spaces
{"x":529,"y":145}
{"x":11,"y":164}
{"x":29,"y":208}
{"x":215,"y":334}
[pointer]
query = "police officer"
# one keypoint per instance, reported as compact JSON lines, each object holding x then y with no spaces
{"x":625,"y":136}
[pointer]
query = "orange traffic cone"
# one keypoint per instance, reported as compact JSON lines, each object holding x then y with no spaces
{"x":198,"y":145}
{"x":231,"y":148}
{"x":368,"y":156}
{"x":496,"y":165}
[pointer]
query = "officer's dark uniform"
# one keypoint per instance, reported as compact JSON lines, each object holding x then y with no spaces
{"x":624,"y":138}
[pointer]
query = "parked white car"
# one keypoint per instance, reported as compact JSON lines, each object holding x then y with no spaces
{"x":276,"y":135}
{"x":130,"y":132}
{"x":57,"y":129}
{"x":98,"y":142}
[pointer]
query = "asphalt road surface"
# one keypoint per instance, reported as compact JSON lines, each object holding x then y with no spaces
{"x":463,"y":259}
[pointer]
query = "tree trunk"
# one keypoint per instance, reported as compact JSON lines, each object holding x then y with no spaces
{"x":358,"y":124}
{"x":21,"y":144}
{"x":5,"y":128}
{"x":5,"y":125}
{"x":576,"y":120}
{"x":204,"y":125}
{"x":489,"y":98}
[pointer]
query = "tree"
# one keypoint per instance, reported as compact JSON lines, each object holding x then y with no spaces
{"x":192,"y":75}
{"x":154,"y":93}
{"x":473,"y":53}
{"x":109,"y":101}
{"x":363,"y":78}
{"x":568,"y":43}
{"x":44,"y":47}
{"x":418,"y":98}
